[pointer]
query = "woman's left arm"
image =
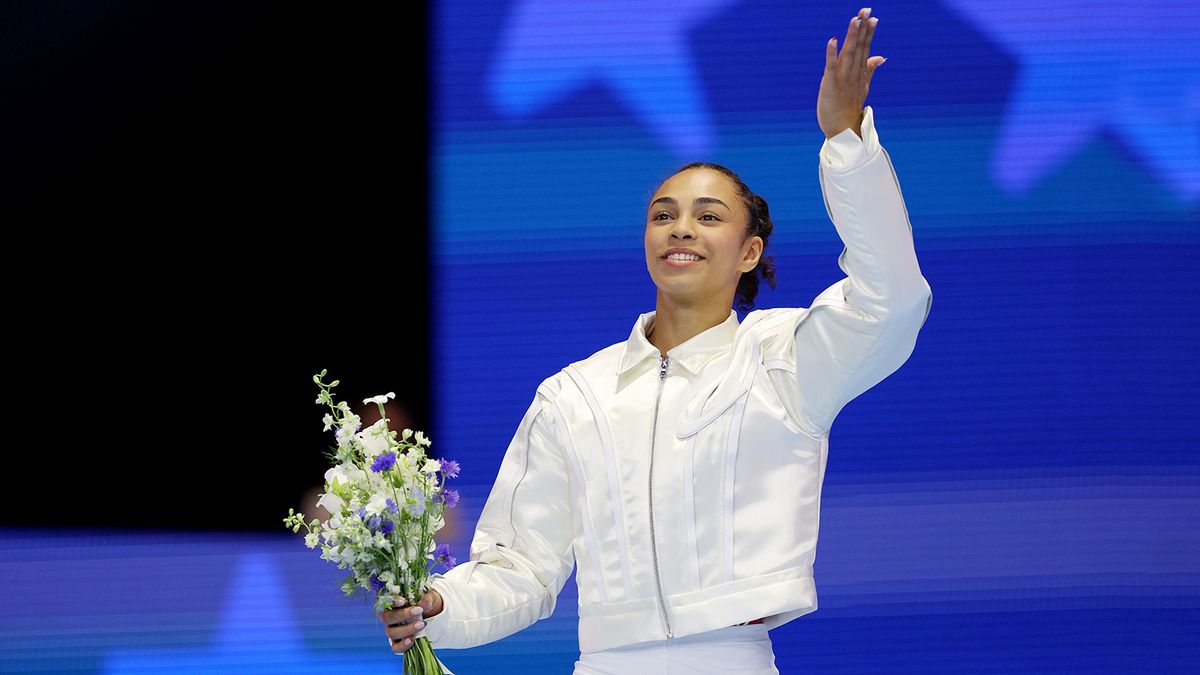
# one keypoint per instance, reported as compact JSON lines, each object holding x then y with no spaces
{"x":864,"y":327}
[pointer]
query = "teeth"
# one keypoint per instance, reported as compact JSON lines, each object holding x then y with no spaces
{"x":682,"y":256}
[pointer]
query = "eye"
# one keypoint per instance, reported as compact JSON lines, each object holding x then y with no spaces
{"x":710,"y":214}
{"x":660,"y":213}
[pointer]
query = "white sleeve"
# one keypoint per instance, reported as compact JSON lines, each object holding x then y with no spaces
{"x":863,"y":327}
{"x":521,"y":554}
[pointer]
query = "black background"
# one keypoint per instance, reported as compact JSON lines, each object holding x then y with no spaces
{"x":206,"y":203}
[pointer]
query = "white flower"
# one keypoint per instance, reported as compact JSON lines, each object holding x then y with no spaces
{"x":375,"y":439}
{"x":350,"y":425}
{"x":377,"y":505}
{"x":310,"y":540}
{"x":432,"y":466}
{"x":340,"y":476}
{"x":422,"y":439}
{"x":331,"y":503}
{"x":380,"y":399}
{"x":328,"y":420}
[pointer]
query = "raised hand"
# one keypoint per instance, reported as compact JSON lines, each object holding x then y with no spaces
{"x":847,"y":77}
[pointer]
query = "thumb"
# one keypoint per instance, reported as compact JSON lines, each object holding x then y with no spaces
{"x":876,"y":61}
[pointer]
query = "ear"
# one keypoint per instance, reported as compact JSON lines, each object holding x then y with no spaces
{"x":752,"y":252}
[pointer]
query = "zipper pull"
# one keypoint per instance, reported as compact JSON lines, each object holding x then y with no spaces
{"x":662,"y":370}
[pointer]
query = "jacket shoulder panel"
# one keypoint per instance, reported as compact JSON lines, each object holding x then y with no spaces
{"x":773,"y":330}
{"x":601,"y":363}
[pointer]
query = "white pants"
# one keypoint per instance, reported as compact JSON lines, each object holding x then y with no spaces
{"x":736,"y":650}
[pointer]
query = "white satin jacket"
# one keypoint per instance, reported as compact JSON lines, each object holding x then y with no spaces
{"x":687,"y":488}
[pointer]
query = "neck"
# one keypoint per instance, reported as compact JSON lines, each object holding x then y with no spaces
{"x":676,"y":323}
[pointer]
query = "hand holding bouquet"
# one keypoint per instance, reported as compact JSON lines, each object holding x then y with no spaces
{"x":386,"y":499}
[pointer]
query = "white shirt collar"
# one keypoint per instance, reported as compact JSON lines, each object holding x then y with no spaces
{"x":691,"y":354}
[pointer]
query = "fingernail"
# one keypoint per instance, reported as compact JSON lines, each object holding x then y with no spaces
{"x":416,"y":611}
{"x":419,"y":625}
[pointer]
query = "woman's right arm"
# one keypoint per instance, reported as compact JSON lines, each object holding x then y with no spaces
{"x":521,"y":554}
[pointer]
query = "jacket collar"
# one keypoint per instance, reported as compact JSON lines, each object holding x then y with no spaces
{"x":691,"y":354}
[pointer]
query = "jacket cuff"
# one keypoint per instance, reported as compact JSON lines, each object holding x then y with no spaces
{"x":846,"y":151}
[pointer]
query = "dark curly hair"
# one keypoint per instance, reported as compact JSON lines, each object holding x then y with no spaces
{"x":758,"y":223}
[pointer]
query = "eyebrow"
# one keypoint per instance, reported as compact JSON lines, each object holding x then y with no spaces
{"x":699,"y":200}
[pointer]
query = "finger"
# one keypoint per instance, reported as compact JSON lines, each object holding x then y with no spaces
{"x":403,"y":615}
{"x":867,"y":34}
{"x":846,"y":63}
{"x":401,"y":646}
{"x":400,"y":632}
{"x":862,"y":47}
{"x":831,"y":54}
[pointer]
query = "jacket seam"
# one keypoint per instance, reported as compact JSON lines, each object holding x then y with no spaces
{"x":588,"y":529}
{"x":689,"y":511}
{"x":612,"y":478}
{"x":733,"y":441}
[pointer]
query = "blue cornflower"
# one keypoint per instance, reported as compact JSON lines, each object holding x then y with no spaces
{"x":388,"y":526}
{"x":362,"y":513}
{"x":450,"y":467}
{"x":384,"y":462}
{"x":450,"y":496}
{"x":392,"y":506}
{"x":373,"y":523}
{"x":442,"y":552}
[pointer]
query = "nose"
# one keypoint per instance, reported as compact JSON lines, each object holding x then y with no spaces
{"x":682,"y":229}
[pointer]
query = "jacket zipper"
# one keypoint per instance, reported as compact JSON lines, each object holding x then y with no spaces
{"x":662,"y":376}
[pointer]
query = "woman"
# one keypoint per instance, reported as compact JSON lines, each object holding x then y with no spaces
{"x":681,"y":468}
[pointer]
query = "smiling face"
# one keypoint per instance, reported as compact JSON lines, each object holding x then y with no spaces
{"x":698,"y":209}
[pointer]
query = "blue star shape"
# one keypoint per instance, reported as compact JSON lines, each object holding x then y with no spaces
{"x":638,"y":49}
{"x":1130,"y":67}
{"x":257,"y":634}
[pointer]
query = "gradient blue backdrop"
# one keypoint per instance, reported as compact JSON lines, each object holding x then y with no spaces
{"x":1023,"y":495}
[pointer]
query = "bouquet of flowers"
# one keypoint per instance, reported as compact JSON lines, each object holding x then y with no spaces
{"x":386,"y":500}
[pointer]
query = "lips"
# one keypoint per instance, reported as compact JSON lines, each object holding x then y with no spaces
{"x":681,"y":263}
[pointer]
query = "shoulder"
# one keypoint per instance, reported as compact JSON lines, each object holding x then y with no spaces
{"x":763,"y":325}
{"x":772,"y":331}
{"x":599,"y":363}
{"x":593,"y":367}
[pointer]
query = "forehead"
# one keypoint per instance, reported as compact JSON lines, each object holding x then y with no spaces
{"x":697,"y":182}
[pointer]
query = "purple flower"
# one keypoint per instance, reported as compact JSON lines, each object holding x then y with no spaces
{"x":392,"y":506}
{"x":450,"y":497}
{"x":388,"y":526}
{"x":384,"y":462}
{"x":362,"y":513}
{"x":442,"y":552}
{"x":373,"y":523}
{"x":450,"y":467}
